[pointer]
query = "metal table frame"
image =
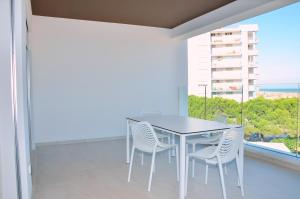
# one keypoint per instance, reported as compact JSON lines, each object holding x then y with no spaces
{"x":182,"y":149}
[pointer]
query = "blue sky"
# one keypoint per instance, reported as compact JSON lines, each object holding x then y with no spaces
{"x":279,"y":44}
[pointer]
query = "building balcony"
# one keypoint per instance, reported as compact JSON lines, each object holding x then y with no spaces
{"x":253,"y":52}
{"x":226,"y":75}
{"x":224,"y":86}
{"x":252,"y":88}
{"x":225,"y":40}
{"x":224,"y":64}
{"x":226,"y":53}
{"x":226,"y":90}
{"x":253,"y":41}
{"x":253,"y":65}
{"x":253,"y":76}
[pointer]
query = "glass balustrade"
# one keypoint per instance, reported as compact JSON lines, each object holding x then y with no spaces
{"x":268,"y":112}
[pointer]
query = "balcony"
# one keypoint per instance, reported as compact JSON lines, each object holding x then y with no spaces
{"x":226,"y":87}
{"x":223,"y":64}
{"x":91,"y":68}
{"x":222,"y":40}
{"x":253,"y":65}
{"x":253,"y":41}
{"x":253,"y":52}
{"x":226,"y":75}
{"x":226,"y":63}
{"x":253,"y":76}
{"x":224,"y":53}
{"x":252,"y":88}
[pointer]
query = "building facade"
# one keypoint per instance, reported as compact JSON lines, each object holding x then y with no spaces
{"x":224,"y":63}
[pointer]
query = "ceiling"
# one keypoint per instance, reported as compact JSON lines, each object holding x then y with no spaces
{"x":156,"y":13}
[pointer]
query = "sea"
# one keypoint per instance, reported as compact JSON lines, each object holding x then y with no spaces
{"x":280,"y":90}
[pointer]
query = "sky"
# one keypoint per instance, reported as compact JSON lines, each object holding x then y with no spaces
{"x":279,"y":45}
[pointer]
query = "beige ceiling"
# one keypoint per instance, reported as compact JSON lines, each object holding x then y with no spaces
{"x":157,"y":13}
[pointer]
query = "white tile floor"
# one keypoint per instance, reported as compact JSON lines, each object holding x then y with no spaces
{"x":97,"y":170}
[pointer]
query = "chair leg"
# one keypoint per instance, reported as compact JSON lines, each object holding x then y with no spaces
{"x":206,"y":173}
{"x":222,"y":178}
{"x":186,"y":173}
{"x":193,"y":166}
{"x":177,"y":163}
{"x":151,"y":171}
{"x":169,"y":142}
{"x":131,"y":160}
{"x":142,"y":158}
{"x":237,"y":170}
{"x":240,"y":183}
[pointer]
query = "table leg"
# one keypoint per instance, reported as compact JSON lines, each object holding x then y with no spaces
{"x":127,"y":142}
{"x":182,"y":167}
{"x":173,"y":142}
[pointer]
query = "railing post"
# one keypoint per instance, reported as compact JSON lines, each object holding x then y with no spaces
{"x":298,"y":135}
{"x":242,"y":101}
{"x":205,"y":98}
{"x":205,"y":101}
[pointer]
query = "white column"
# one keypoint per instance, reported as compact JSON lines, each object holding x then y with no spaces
{"x":8,"y":177}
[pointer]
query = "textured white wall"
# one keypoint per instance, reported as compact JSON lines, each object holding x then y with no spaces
{"x":88,"y":76}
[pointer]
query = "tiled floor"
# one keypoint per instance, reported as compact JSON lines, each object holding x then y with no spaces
{"x":97,"y":170}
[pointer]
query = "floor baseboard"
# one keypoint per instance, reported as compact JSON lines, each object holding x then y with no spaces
{"x":79,"y":141}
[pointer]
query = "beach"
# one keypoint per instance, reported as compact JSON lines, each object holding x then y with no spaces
{"x":276,"y":95}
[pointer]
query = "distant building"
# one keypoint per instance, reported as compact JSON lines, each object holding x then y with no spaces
{"x":226,"y":61}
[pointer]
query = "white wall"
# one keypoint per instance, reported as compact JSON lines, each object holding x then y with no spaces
{"x":88,"y":76}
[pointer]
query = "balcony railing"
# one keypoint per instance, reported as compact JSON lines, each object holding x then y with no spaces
{"x":253,"y":65}
{"x":226,"y":40}
{"x":226,"y":52}
{"x":253,"y":52}
{"x":253,"y":41}
{"x":271,"y":117}
{"x":253,"y":76}
{"x":226,"y":75}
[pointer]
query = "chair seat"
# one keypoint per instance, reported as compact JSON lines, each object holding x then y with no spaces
{"x":162,"y":147}
{"x":204,"y":153}
{"x":204,"y":140}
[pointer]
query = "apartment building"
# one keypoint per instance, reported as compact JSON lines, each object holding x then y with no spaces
{"x":224,"y":63}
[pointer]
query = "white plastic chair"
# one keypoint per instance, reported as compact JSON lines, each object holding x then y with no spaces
{"x":226,"y":151}
{"x":160,"y":135}
{"x":145,"y":140}
{"x":207,"y":139}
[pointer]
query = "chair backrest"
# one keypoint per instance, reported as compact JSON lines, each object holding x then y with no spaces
{"x":143,"y":135}
{"x":221,"y":118}
{"x":229,"y":144}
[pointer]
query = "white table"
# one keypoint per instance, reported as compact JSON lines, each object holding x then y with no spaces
{"x":182,"y":127}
